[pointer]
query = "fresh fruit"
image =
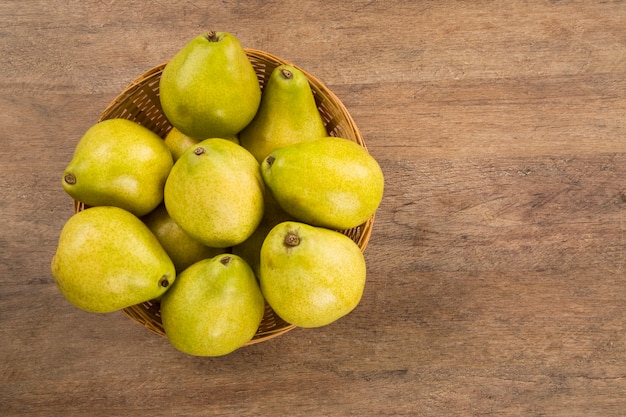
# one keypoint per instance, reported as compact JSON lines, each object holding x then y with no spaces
{"x":119,"y":163}
{"x":209,"y":88}
{"x":250,"y":249}
{"x":311,"y":276}
{"x":215,"y":193}
{"x":215,"y":307}
{"x":287,"y":114}
{"x":107,"y":260}
{"x":330,"y":182}
{"x":229,"y":212}
{"x":178,"y":142}
{"x":182,"y":249}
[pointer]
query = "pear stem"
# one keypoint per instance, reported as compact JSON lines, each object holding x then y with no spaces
{"x":164,"y":282}
{"x":292,"y":239}
{"x":225,"y":260}
{"x":270,"y":160}
{"x":286,"y":73}
{"x":70,"y":179}
{"x":199,"y":150}
{"x":212,"y":36}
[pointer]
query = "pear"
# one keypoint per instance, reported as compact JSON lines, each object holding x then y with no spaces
{"x":182,"y":249}
{"x":329,"y":182}
{"x":311,"y":276}
{"x":178,"y":142}
{"x":215,"y":307}
{"x":287,"y":114}
{"x":215,"y":193}
{"x":119,"y":163}
{"x":107,"y":260}
{"x":209,"y":88}
{"x":250,"y":249}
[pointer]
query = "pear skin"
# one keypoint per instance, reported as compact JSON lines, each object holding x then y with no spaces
{"x":250,"y":249}
{"x":311,"y":276}
{"x":329,"y":182}
{"x":215,"y":193}
{"x":119,"y":163}
{"x":107,"y":260}
{"x":182,"y":249}
{"x":178,"y":142}
{"x":287,"y":114}
{"x":215,"y":307}
{"x":209,"y":88}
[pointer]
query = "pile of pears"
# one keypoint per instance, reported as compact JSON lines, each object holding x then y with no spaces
{"x":239,"y":205}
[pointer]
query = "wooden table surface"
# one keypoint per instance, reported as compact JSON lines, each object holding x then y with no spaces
{"x":497,"y":264}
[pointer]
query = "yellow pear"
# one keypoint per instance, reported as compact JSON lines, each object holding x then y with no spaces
{"x":329,"y":182}
{"x":107,"y":260}
{"x":311,"y":276}
{"x":215,"y":193}
{"x":250,"y":249}
{"x":210,"y":88}
{"x":215,"y":307}
{"x":178,"y":142}
{"x":287,"y":114}
{"x":182,"y":249}
{"x":119,"y":163}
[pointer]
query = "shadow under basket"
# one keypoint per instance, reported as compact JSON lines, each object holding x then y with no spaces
{"x":140,"y":103}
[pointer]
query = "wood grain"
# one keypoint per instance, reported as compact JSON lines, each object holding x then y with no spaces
{"x":497,"y":264}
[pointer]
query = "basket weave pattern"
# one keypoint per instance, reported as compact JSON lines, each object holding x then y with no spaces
{"x":140,"y":103}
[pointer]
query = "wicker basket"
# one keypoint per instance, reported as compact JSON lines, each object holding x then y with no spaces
{"x":140,"y":102}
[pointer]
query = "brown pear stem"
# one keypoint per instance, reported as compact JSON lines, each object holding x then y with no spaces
{"x":199,"y":150}
{"x":292,"y":239}
{"x":270,"y":160}
{"x":225,"y":260}
{"x":212,"y":36}
{"x":70,"y":179}
{"x":286,"y":73}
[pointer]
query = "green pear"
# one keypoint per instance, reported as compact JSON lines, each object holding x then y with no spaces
{"x":311,"y":276}
{"x":119,"y":163}
{"x":287,"y":114}
{"x":107,"y":260}
{"x":215,"y":307}
{"x":329,"y":182}
{"x":250,"y":249}
{"x":182,"y":249}
{"x":209,"y":88}
{"x":215,"y":193}
{"x":178,"y":142}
